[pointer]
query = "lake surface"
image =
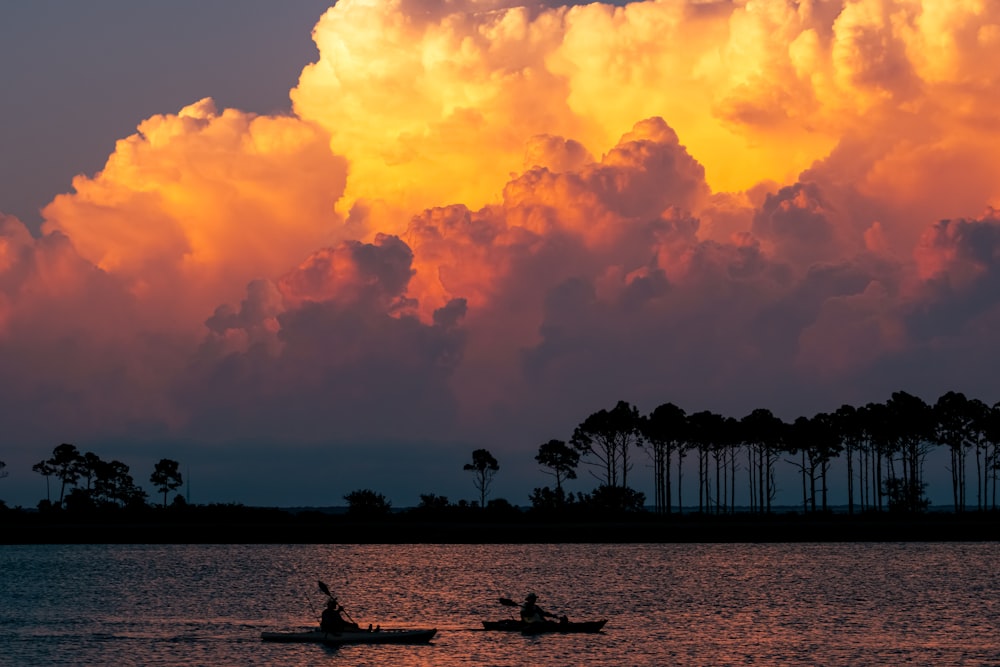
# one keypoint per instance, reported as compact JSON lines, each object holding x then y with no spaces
{"x":667,"y":604}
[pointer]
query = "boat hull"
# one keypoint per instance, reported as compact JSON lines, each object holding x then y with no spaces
{"x":353,"y":637}
{"x":562,"y":627}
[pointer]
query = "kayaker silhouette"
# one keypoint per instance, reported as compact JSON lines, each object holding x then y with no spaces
{"x":332,"y":621}
{"x":531,"y":612}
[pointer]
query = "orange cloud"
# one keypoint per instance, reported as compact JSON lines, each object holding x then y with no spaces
{"x":195,"y":205}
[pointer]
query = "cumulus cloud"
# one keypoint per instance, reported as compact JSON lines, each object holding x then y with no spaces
{"x":483,"y":221}
{"x":348,"y":358}
{"x":796,"y":222}
{"x":195,"y":204}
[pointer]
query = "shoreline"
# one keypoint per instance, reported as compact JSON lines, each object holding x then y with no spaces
{"x":344,"y":530}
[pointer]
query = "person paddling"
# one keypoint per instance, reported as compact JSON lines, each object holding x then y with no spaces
{"x":531,"y":612}
{"x":332,"y":621}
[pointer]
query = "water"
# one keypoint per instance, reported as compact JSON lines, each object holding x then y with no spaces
{"x":668,"y":604}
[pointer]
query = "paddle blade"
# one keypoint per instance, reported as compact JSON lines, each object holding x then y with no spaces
{"x":507,"y":602}
{"x":323,"y":587}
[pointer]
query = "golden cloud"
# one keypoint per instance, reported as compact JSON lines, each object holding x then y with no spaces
{"x":196,"y":204}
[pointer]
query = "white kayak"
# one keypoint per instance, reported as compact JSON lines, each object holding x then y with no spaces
{"x":380,"y":636}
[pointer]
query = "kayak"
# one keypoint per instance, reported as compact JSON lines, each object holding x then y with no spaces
{"x":353,"y":636}
{"x":543,"y":627}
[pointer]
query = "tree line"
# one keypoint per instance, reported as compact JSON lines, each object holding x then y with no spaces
{"x":86,"y":481}
{"x":884,"y":448}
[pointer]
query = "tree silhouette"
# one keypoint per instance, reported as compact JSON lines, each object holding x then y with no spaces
{"x":88,"y":469}
{"x":83,"y":497}
{"x":485,"y":468}
{"x":817,"y":440}
{"x":546,"y":500}
{"x":432,"y":502}
{"x":166,"y":477}
{"x":666,"y":431}
{"x":762,"y":434}
{"x":980,"y":418}
{"x":989,"y":453}
{"x":65,"y":464}
{"x":709,"y":432}
{"x":955,"y":426}
{"x":561,"y":461}
{"x":45,"y":469}
{"x":912,"y":428}
{"x":367,"y":503}
{"x":607,"y":436}
{"x":613,"y":500}
{"x":114,"y":486}
{"x":796,"y":442}
{"x":878,"y":424}
{"x":849,"y":425}
{"x":3,"y":469}
{"x":730,"y":432}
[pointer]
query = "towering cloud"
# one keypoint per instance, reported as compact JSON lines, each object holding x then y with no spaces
{"x":484,"y":221}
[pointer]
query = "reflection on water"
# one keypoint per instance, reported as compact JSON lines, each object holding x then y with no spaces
{"x":774,"y":604}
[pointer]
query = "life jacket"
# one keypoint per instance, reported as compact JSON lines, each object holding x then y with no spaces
{"x":530,"y":613}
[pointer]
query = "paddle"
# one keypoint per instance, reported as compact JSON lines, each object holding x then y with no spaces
{"x":326,"y":589}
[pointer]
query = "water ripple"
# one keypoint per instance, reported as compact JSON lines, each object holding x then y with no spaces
{"x":676,"y":604}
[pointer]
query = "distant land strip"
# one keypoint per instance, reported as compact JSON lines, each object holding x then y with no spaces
{"x":331,"y":529}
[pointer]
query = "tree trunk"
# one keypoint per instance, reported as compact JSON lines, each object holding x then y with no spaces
{"x":680,"y":475}
{"x":805,"y":495}
{"x":666,"y":479}
{"x":850,"y":479}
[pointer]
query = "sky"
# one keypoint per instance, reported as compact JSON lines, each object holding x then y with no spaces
{"x":306,"y":249}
